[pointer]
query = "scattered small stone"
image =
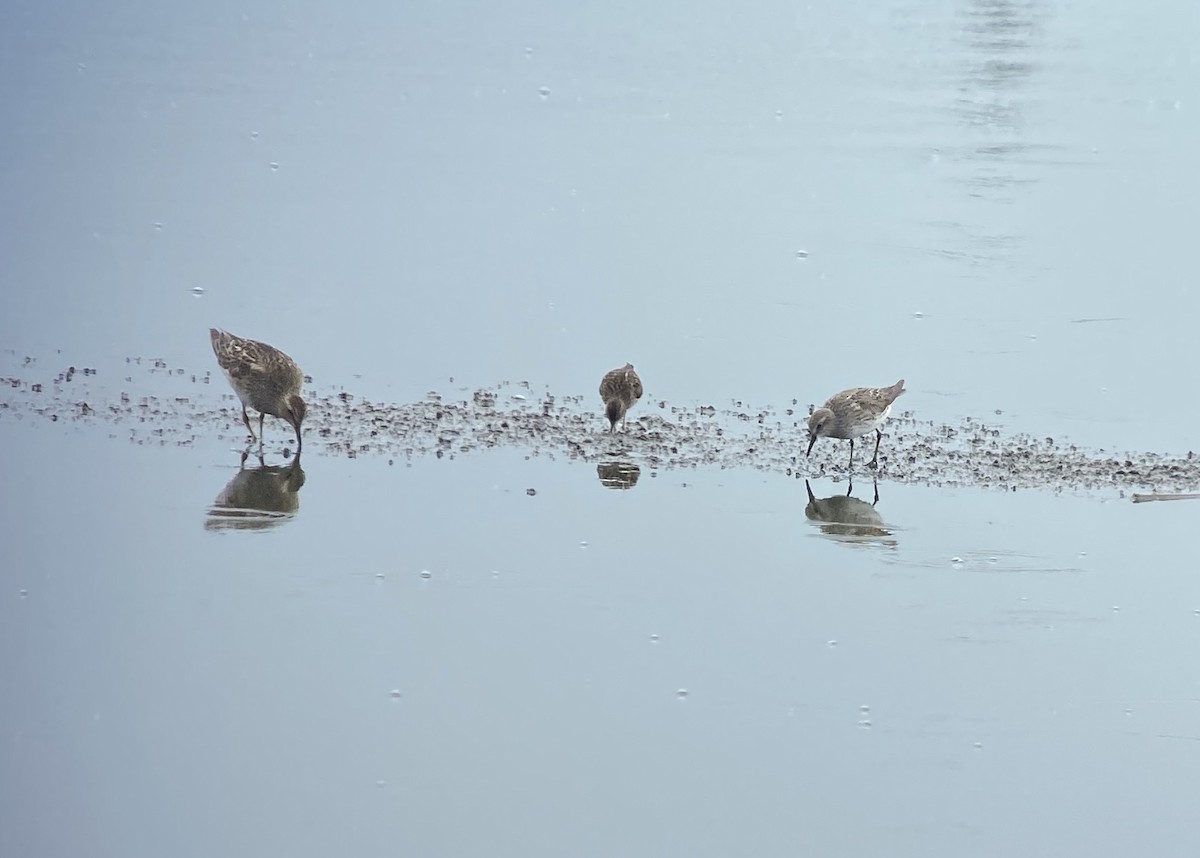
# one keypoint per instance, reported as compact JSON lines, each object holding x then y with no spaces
{"x":571,"y":427}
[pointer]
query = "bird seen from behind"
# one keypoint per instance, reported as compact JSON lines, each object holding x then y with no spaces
{"x":620,"y":389}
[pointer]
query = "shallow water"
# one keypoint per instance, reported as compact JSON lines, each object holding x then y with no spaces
{"x":469,"y":621}
{"x":427,"y":658}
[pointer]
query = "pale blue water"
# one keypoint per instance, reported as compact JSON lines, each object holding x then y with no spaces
{"x":384,"y":192}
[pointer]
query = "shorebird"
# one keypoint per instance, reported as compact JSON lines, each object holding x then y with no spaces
{"x":619,"y":389}
{"x":853,"y":413}
{"x":263,"y":377}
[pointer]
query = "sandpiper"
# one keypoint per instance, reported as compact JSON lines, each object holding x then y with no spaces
{"x":853,"y":413}
{"x":263,"y":377}
{"x":619,"y":389}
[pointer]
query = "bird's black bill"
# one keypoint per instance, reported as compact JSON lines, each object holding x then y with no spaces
{"x":812,"y":440}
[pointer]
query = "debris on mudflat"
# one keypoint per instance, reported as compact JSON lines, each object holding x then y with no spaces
{"x":176,"y":409}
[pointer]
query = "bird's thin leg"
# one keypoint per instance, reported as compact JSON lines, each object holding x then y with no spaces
{"x":852,"y":455}
{"x":849,"y":486}
{"x":261,"y":417}
{"x":876,"y":482}
{"x":246,"y":420}
{"x":875,"y":459}
{"x":299,"y":444}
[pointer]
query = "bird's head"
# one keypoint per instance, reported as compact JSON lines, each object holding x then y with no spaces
{"x":818,"y":423}
{"x":296,"y":411}
{"x":613,"y":409}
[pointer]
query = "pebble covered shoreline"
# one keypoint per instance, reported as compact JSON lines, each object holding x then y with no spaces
{"x":661,"y":435}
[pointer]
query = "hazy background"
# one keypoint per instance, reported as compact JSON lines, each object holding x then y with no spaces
{"x":994,"y":200}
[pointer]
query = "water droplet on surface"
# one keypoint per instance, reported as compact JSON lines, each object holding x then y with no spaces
{"x":197,"y":291}
{"x":831,"y":643}
{"x":379,"y":575}
{"x":917,"y":314}
{"x":529,"y":52}
{"x":396,"y":693}
{"x":583,"y":543}
{"x":158,"y":224}
{"x":956,"y":560}
{"x":1116,"y":608}
{"x":544,"y":91}
{"x":22,"y":593}
{"x":978,"y":746}
{"x":864,"y":708}
{"x":426,"y":574}
{"x":253,"y":135}
{"x":779,"y":114}
{"x":802,"y":254}
{"x":653,"y":638}
{"x":274,"y":165}
{"x":681,"y":693}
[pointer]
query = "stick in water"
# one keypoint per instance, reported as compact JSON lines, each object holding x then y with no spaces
{"x":1164,"y":497}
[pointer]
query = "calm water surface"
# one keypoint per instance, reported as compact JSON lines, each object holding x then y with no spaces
{"x":994,"y":200}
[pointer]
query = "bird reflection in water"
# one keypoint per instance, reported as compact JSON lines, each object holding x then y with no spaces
{"x":847,"y":518}
{"x":257,"y":498}
{"x":618,"y":475}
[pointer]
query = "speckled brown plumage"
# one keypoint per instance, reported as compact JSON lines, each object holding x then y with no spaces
{"x":619,"y":389}
{"x":263,"y":377}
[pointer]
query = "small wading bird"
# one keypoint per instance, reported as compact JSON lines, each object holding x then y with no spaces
{"x":619,"y":389}
{"x":263,"y":377}
{"x":853,"y":413}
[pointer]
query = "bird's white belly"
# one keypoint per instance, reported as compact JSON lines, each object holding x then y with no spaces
{"x":872,"y":425}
